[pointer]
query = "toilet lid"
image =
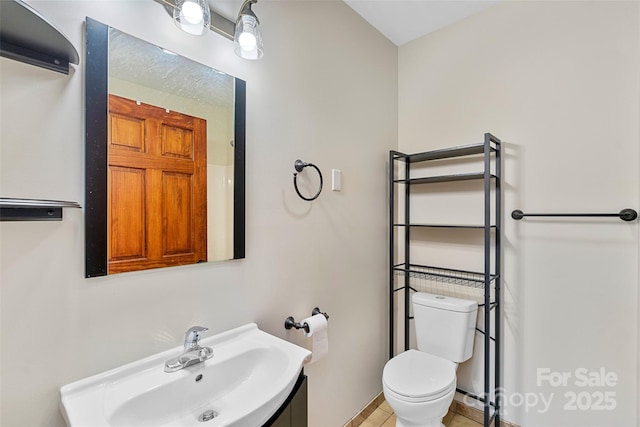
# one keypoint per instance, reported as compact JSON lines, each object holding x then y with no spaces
{"x":418,"y":375}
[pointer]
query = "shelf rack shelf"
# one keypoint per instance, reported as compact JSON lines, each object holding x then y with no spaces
{"x":473,"y":279}
{"x":445,"y":153}
{"x":470,"y":226}
{"x":485,"y":283}
{"x":443,"y":178}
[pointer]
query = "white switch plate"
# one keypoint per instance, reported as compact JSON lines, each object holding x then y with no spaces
{"x":336,"y":180}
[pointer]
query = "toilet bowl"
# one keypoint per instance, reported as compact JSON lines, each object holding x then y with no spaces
{"x":419,"y":387}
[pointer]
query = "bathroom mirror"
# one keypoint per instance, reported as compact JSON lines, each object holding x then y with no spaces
{"x":165,"y":157}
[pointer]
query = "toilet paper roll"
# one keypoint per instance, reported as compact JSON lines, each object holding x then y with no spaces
{"x":319,"y":336}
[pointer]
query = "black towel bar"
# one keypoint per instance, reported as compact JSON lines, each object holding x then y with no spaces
{"x":625,"y":214}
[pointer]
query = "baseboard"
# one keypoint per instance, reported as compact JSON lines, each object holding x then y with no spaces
{"x":456,"y":407}
{"x":474,"y":414}
{"x":365,"y":412}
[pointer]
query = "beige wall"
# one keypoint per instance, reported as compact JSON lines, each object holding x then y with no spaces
{"x":328,"y":97}
{"x":559,"y":83}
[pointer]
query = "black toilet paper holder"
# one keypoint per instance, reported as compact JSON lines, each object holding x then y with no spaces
{"x":290,"y":322}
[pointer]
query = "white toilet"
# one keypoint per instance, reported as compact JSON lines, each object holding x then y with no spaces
{"x":419,"y":385}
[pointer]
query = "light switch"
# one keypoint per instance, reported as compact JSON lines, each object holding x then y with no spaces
{"x":336,"y":180}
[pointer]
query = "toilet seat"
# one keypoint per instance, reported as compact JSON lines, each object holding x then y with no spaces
{"x":414,"y":376}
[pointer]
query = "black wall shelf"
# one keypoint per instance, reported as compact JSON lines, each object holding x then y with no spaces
{"x":402,"y":270}
{"x":26,"y":36}
{"x":33,"y":209}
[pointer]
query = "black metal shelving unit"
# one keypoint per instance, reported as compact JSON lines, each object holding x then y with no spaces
{"x":488,"y":279}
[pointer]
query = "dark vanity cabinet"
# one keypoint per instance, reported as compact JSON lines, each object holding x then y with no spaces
{"x":293,"y":412}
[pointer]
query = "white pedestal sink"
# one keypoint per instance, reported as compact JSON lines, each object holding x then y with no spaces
{"x":247,"y":380}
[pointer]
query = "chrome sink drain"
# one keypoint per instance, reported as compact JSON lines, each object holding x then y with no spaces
{"x":207,"y":416}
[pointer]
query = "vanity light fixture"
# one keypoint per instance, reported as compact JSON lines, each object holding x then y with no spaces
{"x":192,"y":16}
{"x":248,"y":36}
{"x":195,"y":16}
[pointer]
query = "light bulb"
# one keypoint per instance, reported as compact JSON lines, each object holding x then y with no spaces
{"x":192,"y":16}
{"x":192,"y":12}
{"x":247,"y":41}
{"x":248,"y":37}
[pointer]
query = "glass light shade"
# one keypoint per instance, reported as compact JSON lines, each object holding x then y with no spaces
{"x":248,"y":38}
{"x":192,"y":16}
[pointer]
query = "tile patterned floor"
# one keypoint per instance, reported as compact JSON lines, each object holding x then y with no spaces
{"x":383,"y":416}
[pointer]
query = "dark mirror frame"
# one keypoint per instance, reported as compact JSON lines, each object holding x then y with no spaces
{"x":96,"y":128}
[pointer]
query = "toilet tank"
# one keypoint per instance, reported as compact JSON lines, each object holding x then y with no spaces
{"x":445,"y":326}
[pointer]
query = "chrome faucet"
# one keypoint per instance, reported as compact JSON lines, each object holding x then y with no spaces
{"x":192,"y":354}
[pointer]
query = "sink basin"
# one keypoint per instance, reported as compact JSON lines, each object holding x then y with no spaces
{"x":247,"y":380}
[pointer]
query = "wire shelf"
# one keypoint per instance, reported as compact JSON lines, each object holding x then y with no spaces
{"x":443,"y":281}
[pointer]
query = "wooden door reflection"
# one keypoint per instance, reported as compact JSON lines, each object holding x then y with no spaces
{"x":157,"y":187}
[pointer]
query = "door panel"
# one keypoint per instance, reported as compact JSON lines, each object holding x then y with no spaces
{"x":127,"y":212}
{"x":177,"y":142}
{"x":127,"y":132}
{"x":177,"y":204}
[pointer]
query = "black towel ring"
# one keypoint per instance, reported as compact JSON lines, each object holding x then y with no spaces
{"x":299,"y":165}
